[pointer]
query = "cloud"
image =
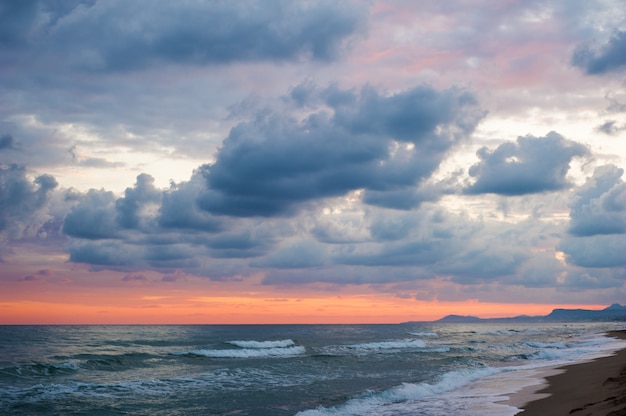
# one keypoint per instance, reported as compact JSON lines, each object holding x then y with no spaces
{"x":599,"y":206}
{"x":93,"y":217}
{"x":38,"y":276}
{"x":610,"y":127}
{"x":134,"y":277}
{"x":597,"y":226}
{"x":16,"y":21}
{"x":129,"y":255}
{"x":600,"y":60}
{"x":596,"y":251}
{"x":179,"y":209}
{"x":385,"y":144}
{"x":130,"y":208}
{"x":529,"y":165}
{"x":161,"y":229}
{"x":297,"y":255}
{"x":97,"y":162}
{"x":22,"y":200}
{"x":7,"y":142}
{"x":144,"y":34}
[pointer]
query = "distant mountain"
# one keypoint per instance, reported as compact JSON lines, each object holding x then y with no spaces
{"x":459,"y":319}
{"x":615,"y":312}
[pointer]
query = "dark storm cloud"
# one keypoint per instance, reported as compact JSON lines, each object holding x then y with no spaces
{"x":121,"y":35}
{"x":384,"y":144}
{"x":530,"y":165}
{"x":599,"y":60}
{"x":21,"y":197}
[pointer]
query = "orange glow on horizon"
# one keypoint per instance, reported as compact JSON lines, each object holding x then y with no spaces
{"x":258,"y":310}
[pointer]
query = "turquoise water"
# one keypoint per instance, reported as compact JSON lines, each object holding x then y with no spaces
{"x":405,"y":369}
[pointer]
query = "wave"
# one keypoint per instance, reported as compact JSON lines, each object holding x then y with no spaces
{"x":570,"y":352}
{"x":247,"y":352}
{"x":263,"y":344}
{"x":16,"y":399}
{"x":114,"y":362}
{"x":374,"y":403}
{"x":554,"y":345}
{"x":40,"y":369}
{"x":389,"y":345}
{"x":423,"y":334}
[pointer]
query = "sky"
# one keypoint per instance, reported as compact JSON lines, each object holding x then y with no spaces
{"x":310,"y":161}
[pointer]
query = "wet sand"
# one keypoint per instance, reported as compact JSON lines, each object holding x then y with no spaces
{"x":594,"y":388}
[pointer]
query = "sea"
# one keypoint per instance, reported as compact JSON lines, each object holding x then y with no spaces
{"x":305,"y":370}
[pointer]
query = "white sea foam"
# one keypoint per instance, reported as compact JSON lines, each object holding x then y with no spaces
{"x":458,"y":392}
{"x":68,"y":365}
{"x":248,"y":352}
{"x":556,"y":345}
{"x":263,"y":344}
{"x":405,"y":395}
{"x":389,"y":345}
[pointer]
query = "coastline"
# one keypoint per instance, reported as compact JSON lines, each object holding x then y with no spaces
{"x":592,"y":388}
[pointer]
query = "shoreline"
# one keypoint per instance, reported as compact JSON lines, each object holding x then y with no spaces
{"x":590,"y":388}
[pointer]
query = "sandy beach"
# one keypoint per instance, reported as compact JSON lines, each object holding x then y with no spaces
{"x":595,"y":388}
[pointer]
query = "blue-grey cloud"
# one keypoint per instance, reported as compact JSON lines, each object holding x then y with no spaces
{"x":16,"y":19}
{"x":599,"y":206}
{"x":405,"y":253}
{"x":179,"y":210}
{"x":529,"y":165}
{"x":611,"y":127}
{"x":93,"y":217}
{"x":120,"y":35}
{"x":384,"y":144}
{"x":130,"y":207}
{"x":7,"y":142}
{"x":301,"y":254}
{"x":128,"y":256}
{"x":599,"y":60}
{"x":595,"y":238}
{"x":20,"y":196}
{"x":599,"y":251}
{"x":479,"y":265}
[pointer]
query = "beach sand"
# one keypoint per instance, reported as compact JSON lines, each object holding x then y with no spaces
{"x":594,"y":388}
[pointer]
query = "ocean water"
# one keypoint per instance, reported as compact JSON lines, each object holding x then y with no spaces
{"x":305,"y":370}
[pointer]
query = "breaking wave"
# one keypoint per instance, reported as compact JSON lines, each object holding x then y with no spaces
{"x":374,"y":403}
{"x":263,"y":344}
{"x":251,"y":349}
{"x":389,"y":345}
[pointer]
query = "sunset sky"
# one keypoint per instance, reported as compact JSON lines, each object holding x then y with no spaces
{"x":310,"y":161}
